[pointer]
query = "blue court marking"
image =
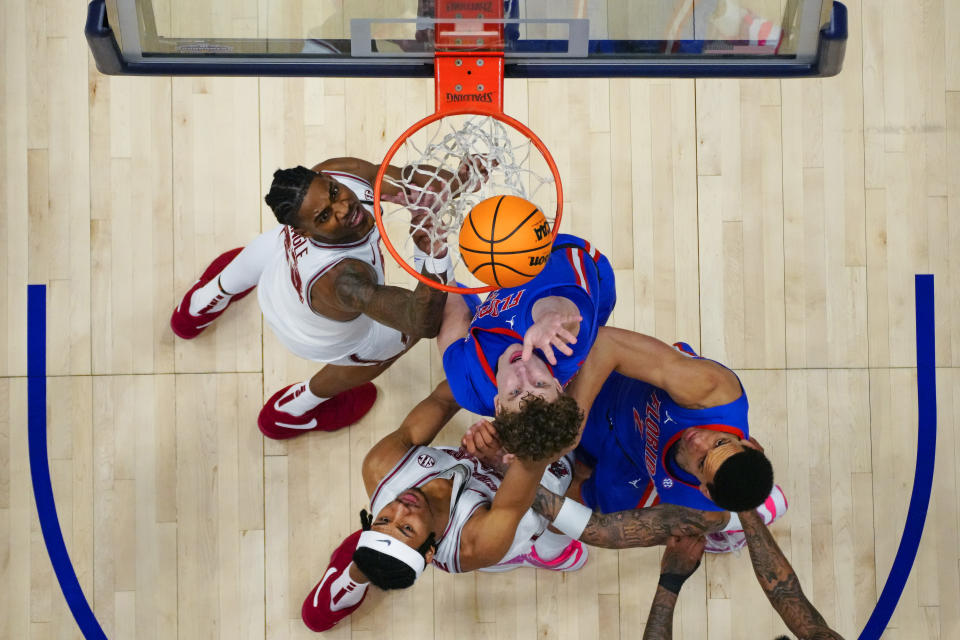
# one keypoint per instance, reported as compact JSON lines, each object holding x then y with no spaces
{"x":923,"y":474}
{"x":39,"y":469}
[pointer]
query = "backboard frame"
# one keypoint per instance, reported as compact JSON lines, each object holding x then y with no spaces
{"x":114,"y":58}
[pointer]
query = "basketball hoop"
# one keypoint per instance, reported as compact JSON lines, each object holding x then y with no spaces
{"x":465,"y":152}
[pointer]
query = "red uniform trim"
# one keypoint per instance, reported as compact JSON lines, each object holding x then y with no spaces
{"x":666,"y":448}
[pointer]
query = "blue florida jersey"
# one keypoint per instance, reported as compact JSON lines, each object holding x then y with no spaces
{"x":629,"y":439}
{"x":574,"y":270}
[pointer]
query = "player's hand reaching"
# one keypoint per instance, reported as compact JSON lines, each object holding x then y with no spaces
{"x":682,"y":555}
{"x":473,"y":171}
{"x":551,"y":331}
{"x":482,"y":442}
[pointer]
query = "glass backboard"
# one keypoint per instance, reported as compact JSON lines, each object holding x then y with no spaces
{"x":539,"y":38}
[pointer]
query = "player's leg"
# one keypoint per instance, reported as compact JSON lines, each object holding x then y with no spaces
{"x":334,"y":397}
{"x":230,"y":277}
{"x":339,"y":394}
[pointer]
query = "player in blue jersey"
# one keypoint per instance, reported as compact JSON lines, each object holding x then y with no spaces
{"x":664,"y":425}
{"x":527,"y":342}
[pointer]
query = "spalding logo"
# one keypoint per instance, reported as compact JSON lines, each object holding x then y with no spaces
{"x":667,"y":483}
{"x":426,"y":461}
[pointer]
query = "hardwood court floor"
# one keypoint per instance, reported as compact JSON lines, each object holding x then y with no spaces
{"x":776,"y":226}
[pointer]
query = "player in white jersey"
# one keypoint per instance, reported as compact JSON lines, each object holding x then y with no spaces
{"x":442,"y":506}
{"x":321,"y":288}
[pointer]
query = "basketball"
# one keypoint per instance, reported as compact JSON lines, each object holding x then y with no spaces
{"x":505,"y":241}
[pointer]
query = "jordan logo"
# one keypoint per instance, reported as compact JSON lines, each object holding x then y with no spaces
{"x":510,"y":321}
{"x":635,"y":483}
{"x":667,"y":417}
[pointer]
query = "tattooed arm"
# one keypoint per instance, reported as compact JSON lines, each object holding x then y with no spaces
{"x":351,"y":289}
{"x":680,"y":559}
{"x":637,"y":527}
{"x":780,"y":583}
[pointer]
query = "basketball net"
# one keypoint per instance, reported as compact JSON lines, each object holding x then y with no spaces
{"x":465,"y":152}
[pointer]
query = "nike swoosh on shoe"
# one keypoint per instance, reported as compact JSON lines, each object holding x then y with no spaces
{"x":303,"y":427}
{"x":316,"y":594}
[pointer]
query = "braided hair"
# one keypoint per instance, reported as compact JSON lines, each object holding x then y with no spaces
{"x":383,"y":570}
{"x":287,"y":191}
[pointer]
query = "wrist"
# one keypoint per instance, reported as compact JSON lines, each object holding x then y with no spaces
{"x":572,"y":518}
{"x":672,"y":582}
{"x":433,"y":264}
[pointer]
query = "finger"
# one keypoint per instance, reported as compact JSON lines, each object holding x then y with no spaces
{"x":567,"y":336}
{"x":548,"y":352}
{"x":527,"y":348}
{"x":485,"y":438}
{"x":562,"y":346}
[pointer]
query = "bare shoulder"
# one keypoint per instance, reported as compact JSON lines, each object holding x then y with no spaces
{"x":383,"y":457}
{"x":699,"y":383}
{"x":339,"y":293}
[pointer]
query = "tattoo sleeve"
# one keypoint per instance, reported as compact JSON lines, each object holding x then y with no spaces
{"x":637,"y":527}
{"x":780,"y":583}
{"x":417,"y":313}
{"x":660,"y":621}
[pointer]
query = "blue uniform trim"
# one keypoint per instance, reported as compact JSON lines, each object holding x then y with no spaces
{"x":574,"y":270}
{"x":923,"y":472}
{"x":40,"y":470}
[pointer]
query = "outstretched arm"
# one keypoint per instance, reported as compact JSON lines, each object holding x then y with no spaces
{"x":780,"y":583}
{"x":680,"y":559}
{"x":420,"y":427}
{"x":692,"y":383}
{"x":638,"y":527}
{"x":352,"y":287}
{"x":487,"y":536}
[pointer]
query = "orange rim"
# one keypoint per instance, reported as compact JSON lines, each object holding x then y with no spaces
{"x":516,"y":124}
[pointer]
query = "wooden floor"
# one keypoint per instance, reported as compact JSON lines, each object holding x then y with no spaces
{"x":775,"y":225}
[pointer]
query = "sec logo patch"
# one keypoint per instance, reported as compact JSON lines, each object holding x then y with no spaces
{"x":667,"y":483}
{"x":426,"y":461}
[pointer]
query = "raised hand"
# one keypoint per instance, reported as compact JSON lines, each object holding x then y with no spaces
{"x":550,"y":332}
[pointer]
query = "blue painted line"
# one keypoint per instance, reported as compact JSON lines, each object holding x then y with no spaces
{"x":923,"y":474}
{"x":40,"y":470}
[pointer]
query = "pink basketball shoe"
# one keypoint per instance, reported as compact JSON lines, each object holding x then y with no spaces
{"x":735,"y":539}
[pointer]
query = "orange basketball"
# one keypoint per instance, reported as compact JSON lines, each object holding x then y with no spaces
{"x":505,"y":241}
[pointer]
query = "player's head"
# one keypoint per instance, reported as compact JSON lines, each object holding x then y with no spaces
{"x":317,"y":206}
{"x":733,"y":472}
{"x":518,"y":379}
{"x":398,"y":542}
{"x":540,"y":429}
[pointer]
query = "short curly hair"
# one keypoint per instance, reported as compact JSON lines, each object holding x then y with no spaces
{"x":541,"y":429}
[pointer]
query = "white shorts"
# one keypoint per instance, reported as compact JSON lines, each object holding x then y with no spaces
{"x":380,"y":344}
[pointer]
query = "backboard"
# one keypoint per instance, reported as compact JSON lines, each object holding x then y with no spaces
{"x":540,"y":38}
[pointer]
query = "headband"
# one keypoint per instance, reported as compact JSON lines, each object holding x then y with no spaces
{"x":394,"y":548}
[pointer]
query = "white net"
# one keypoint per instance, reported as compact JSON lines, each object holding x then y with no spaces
{"x":449,"y":166}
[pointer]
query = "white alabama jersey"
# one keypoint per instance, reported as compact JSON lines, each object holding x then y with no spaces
{"x":284,"y":287}
{"x":474,"y":486}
